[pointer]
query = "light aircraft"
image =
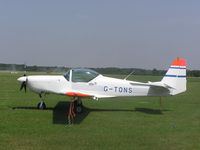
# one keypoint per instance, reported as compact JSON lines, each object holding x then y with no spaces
{"x":80,"y":83}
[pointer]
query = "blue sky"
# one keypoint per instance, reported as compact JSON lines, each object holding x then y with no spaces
{"x":107,"y":33}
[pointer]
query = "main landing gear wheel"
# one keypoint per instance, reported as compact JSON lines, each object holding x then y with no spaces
{"x":41,"y":105}
{"x":79,"y":109}
{"x":78,"y":106}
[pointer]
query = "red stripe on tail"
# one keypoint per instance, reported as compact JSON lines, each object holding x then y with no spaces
{"x":179,"y":62}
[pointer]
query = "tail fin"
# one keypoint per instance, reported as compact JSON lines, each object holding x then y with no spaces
{"x":175,"y":77}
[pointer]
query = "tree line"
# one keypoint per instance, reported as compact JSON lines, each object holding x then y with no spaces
{"x":110,"y":70}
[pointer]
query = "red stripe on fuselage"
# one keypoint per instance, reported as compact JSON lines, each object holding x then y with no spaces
{"x":76,"y":94}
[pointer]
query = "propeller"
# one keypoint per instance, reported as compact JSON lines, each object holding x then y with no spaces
{"x":23,"y":86}
{"x":23,"y":81}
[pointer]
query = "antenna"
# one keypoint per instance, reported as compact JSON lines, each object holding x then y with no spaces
{"x":128,"y":75}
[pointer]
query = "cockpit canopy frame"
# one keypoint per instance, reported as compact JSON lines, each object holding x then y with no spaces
{"x":81,"y":75}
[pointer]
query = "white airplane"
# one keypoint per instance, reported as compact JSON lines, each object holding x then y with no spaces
{"x":79,"y":83}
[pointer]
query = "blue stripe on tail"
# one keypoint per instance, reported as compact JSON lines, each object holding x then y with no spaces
{"x":177,"y":68}
{"x":175,"y":76}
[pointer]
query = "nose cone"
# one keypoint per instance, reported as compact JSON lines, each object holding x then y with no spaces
{"x":21,"y":79}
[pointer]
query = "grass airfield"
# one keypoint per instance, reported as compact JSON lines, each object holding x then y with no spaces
{"x":116,"y":123}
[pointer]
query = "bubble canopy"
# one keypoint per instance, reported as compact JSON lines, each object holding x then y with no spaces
{"x":80,"y":75}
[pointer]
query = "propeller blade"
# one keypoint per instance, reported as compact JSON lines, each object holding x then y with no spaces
{"x":23,"y":86}
{"x":23,"y":83}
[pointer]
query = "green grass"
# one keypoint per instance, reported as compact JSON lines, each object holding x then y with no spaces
{"x":117,"y":123}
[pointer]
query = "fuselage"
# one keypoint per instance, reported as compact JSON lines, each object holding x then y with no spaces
{"x":99,"y":87}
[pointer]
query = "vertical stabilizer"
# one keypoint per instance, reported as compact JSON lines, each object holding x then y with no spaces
{"x":175,"y":77}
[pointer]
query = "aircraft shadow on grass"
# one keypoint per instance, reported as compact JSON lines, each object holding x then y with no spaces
{"x":60,"y":112}
{"x":151,"y":111}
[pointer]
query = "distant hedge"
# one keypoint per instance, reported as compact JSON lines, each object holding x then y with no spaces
{"x":122,"y":71}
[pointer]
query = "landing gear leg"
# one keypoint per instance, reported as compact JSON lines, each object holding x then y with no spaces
{"x":78,"y":105}
{"x":41,"y":105}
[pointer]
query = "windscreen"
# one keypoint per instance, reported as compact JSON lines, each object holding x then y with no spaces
{"x":83,"y":75}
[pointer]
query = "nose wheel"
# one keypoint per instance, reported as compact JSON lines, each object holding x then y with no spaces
{"x":41,"y":105}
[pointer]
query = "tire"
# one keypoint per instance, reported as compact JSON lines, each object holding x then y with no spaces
{"x":79,"y":109}
{"x":41,"y":106}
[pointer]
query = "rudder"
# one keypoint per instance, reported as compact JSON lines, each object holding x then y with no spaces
{"x":175,"y":77}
